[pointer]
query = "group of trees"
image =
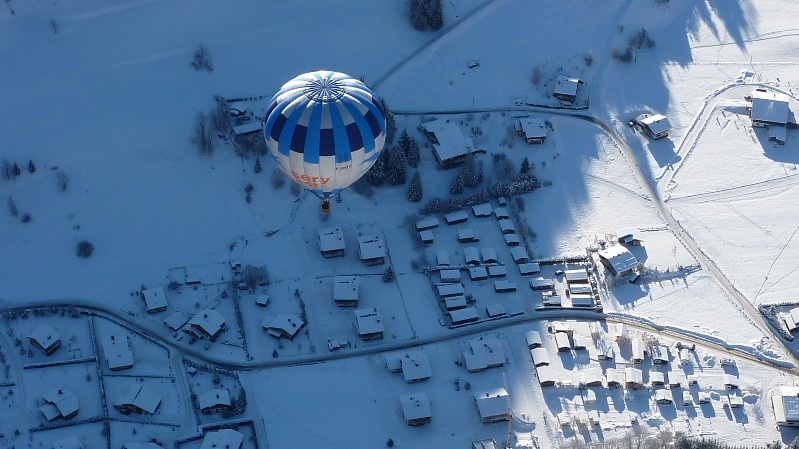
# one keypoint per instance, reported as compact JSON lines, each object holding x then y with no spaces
{"x":9,"y":171}
{"x":426,"y":14}
{"x":638,"y":41}
{"x":202,"y":59}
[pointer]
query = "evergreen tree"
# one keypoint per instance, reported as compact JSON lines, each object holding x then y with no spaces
{"x":415,"y":189}
{"x":525,"y":168}
{"x":396,"y":170}
{"x":377,"y":174}
{"x":418,"y":17}
{"x":404,"y":142}
{"x":456,"y":188}
{"x":413,"y":153}
{"x":388,"y":275}
{"x":16,"y":171}
{"x":391,"y":124}
{"x":435,"y":14}
{"x":257,"y":165}
{"x":31,"y":167}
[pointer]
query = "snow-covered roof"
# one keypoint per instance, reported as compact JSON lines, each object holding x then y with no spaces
{"x":238,"y":107}
{"x":209,"y":320}
{"x":501,"y":213}
{"x":45,"y":336}
{"x":519,"y":254}
{"x":730,"y":379}
{"x":117,"y":352}
{"x":566,"y":85}
{"x":368,"y":321}
{"x":450,"y":289}
{"x":582,"y":300}
{"x":497,"y":270}
{"x":455,"y":302}
{"x":415,"y":406}
{"x":416,"y":366}
{"x":455,"y":217}
{"x":451,"y":141}
{"x":70,"y":442}
{"x":496,"y":310}
{"x":770,"y":107}
{"x":656,"y":123}
{"x":489,"y":254}
{"x":633,"y":375}
{"x":331,"y":239}
{"x":533,"y":338}
{"x":471,"y":255}
{"x":533,"y":128}
{"x":442,"y":257}
{"x":262,"y":300}
{"x":562,"y":340}
{"x":482,"y":210}
{"x":579,"y":275}
{"x":507,"y":226}
{"x":639,"y":349}
{"x":49,"y":411}
{"x":614,"y":376}
{"x":223,"y":439}
{"x":63,"y":399}
{"x":529,"y":268}
{"x":450,"y":275}
{"x":792,"y":319}
{"x":371,"y":247}
{"x":478,"y":273}
{"x":141,"y":446}
{"x":246,"y":128}
{"x":660,"y":353}
{"x":777,"y":133}
{"x":604,"y":349}
{"x":287,"y":323}
{"x":154,"y":298}
{"x":785,"y":402}
{"x":467,"y":234}
{"x":540,"y":356}
{"x":176,"y":320}
{"x":462,"y":315}
{"x":345,"y":288}
{"x":485,"y":353}
{"x":547,"y":374}
{"x":140,"y":396}
{"x":393,"y":362}
{"x":214,"y":398}
{"x":493,"y":402}
{"x":541,"y":283}
{"x":504,"y":286}
{"x":618,"y":258}
{"x":427,"y":223}
{"x":664,"y":396}
{"x":657,"y":377}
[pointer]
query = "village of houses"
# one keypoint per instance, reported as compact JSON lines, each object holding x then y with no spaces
{"x":170,"y":362}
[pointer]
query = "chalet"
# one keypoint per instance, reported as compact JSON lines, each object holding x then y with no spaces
{"x":450,"y":146}
{"x":533,"y":339}
{"x":493,"y":405}
{"x":70,"y":442}
{"x":542,"y":284}
{"x":566,"y":88}
{"x":604,"y":349}
{"x":456,"y":217}
{"x":138,"y":399}
{"x":489,"y":255}
{"x":118,"y":353}
{"x":485,"y":353}
{"x":345,"y":291}
{"x":730,"y":381}
{"x":208,"y":323}
{"x":369,"y":323}
{"x":785,"y":404}
{"x":415,"y":366}
{"x":468,"y":235}
{"x":283,"y":325}
{"x":496,"y":310}
{"x":547,"y":375}
{"x":660,"y":355}
{"x":495,"y":271}
{"x":45,"y":338}
{"x":657,"y":378}
{"x":656,"y":126}
{"x":519,"y":255}
{"x":471,"y":255}
{"x":504,"y":286}
{"x":618,"y":260}
{"x":501,"y":213}
{"x":176,"y":320}
{"x":507,"y":226}
{"x":416,"y":409}
{"x":154,"y":299}
{"x":532,"y":130}
{"x":562,"y":342}
{"x":331,"y":242}
{"x":247,"y":128}
{"x":633,"y":378}
{"x":769,"y":108}
{"x":540,"y":356}
{"x":426,"y":237}
{"x":442,"y":258}
{"x":463,"y":316}
{"x":59,"y":403}
{"x":512,"y":240}
{"x":449,"y":276}
{"x":214,"y":401}
{"x":427,"y":223}
{"x":592,"y":376}
{"x":639,"y":351}
{"x":614,"y":377}
{"x":529,"y":268}
{"x":223,"y":439}
{"x":455,"y":302}
{"x":371,"y":249}
{"x":791,"y":319}
{"x":482,"y":210}
{"x":447,"y":290}
{"x":262,"y":300}
{"x":478,"y":273}
{"x":663,"y":397}
{"x":577,"y":276}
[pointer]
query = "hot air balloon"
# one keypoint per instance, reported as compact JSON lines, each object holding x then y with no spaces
{"x":325,"y":130}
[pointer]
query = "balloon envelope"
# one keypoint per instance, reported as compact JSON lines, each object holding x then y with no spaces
{"x":325,"y":129}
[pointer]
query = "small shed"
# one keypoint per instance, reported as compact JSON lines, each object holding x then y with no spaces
{"x":604,"y":349}
{"x":687,"y":399}
{"x":471,"y":255}
{"x":482,"y":210}
{"x":426,"y":237}
{"x":447,"y":290}
{"x":639,"y":351}
{"x":456,"y":217}
{"x":633,"y":378}
{"x":529,"y":268}
{"x":507,"y":226}
{"x":468,"y":235}
{"x":449,"y":276}
{"x":478,"y":273}
{"x":576,"y":276}
{"x":730,"y":381}
{"x":496,"y":310}
{"x":262,"y":300}
{"x":547,"y":375}
{"x":533,"y":339}
{"x":542,"y":283}
{"x":442,"y":258}
{"x":455,"y":302}
{"x":580,"y":342}
{"x":512,"y":240}
{"x":463,"y":316}
{"x":504,"y":286}
{"x":519,"y":255}
{"x":657,"y":378}
{"x":496,"y":271}
{"x":660,"y":355}
{"x":704,"y":397}
{"x":489,"y":254}
{"x":663,"y":397}
{"x":562,"y":342}
{"x":540,"y":356}
{"x":427,"y":223}
{"x":501,"y":213}
{"x":614,"y":377}
{"x":592,"y":376}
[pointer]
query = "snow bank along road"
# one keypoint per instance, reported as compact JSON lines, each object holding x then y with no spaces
{"x":646,"y":184}
{"x":455,"y":334}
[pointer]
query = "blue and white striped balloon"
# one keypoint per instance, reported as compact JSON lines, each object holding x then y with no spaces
{"x":325,"y":130}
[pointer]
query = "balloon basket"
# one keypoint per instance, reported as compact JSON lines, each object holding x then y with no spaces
{"x":325,"y":208}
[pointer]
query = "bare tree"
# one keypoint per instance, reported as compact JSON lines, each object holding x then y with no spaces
{"x":202,"y":59}
{"x":63,"y":181}
{"x":54,"y":26}
{"x":202,"y":135}
{"x":12,"y":207}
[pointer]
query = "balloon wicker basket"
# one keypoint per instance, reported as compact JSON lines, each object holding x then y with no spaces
{"x":325,"y":207}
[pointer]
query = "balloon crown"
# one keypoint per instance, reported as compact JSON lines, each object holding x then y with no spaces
{"x":324,"y":90}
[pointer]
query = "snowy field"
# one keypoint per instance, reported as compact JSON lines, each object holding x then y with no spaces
{"x":101,"y":98}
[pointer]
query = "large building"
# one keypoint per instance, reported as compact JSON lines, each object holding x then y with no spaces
{"x":769,"y":108}
{"x":618,"y":260}
{"x":785,"y":403}
{"x":450,"y":146}
{"x":208,"y":323}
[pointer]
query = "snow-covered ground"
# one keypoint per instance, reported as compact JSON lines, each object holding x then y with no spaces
{"x":101,"y":94}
